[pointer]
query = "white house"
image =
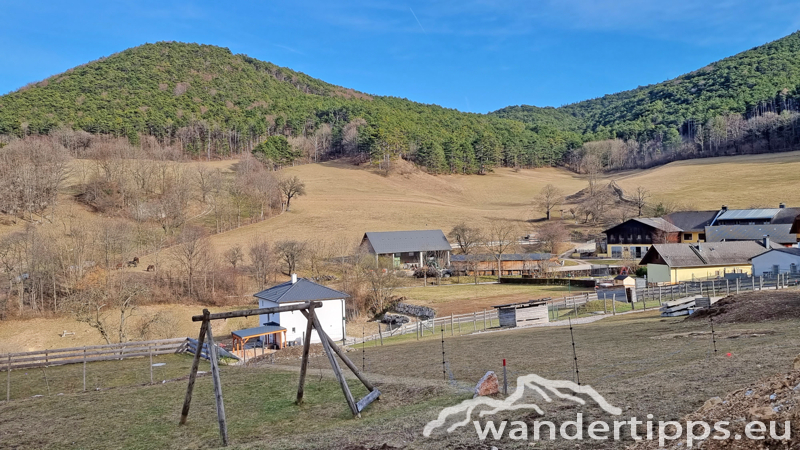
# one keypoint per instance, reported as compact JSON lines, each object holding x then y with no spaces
{"x":777,"y":260}
{"x":331,"y":315}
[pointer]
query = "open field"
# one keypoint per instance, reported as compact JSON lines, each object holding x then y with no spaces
{"x":466,"y":298}
{"x":641,"y":363}
{"x":45,"y":333}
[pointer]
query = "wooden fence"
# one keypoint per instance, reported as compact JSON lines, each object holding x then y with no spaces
{"x":75,"y":355}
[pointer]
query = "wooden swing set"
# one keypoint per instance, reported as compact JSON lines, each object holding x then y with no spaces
{"x":307,"y":309}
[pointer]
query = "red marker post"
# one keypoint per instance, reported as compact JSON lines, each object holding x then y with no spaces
{"x":505,"y":380}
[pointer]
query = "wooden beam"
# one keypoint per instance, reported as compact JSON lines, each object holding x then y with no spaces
{"x":369,"y":398}
{"x":192,"y":374}
{"x":332,"y":345}
{"x":304,"y":363}
{"x":212,"y":353}
{"x":337,"y":371}
{"x":256,"y":312}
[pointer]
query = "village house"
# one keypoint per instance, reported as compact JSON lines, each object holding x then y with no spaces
{"x":692,"y":224}
{"x":634,"y":237}
{"x":777,"y":260}
{"x":673,"y":263}
{"x":408,"y":248}
{"x":511,"y":263}
{"x":299,"y":290}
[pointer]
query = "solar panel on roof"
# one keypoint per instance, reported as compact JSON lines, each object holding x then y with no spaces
{"x":744,"y":214}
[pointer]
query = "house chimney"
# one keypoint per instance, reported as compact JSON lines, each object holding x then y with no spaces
{"x":724,"y":207}
{"x":766,"y":242}
{"x":294,"y":278}
{"x":782,"y":206}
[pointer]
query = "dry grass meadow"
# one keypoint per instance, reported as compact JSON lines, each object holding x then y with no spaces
{"x":641,"y":362}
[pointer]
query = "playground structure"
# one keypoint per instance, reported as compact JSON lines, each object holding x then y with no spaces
{"x":307,"y":309}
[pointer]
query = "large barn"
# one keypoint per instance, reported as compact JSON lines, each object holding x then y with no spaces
{"x":408,"y":248}
{"x":331,"y":315}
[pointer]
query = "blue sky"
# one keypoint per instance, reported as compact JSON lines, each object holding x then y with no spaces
{"x":470,"y":55}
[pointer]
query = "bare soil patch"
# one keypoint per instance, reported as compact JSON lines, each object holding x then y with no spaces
{"x":752,"y":307}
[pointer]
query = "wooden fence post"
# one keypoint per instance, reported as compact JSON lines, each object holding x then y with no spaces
{"x":484,"y":319}
{"x":614,"y":304}
{"x":737,"y":286}
{"x":8,"y":380}
{"x":212,"y":353}
{"x":84,"y":368}
{"x":451,"y":324}
{"x":380,"y":334}
{"x":474,"y":321}
{"x":150,"y":351}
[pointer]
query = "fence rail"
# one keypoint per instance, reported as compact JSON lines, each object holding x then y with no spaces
{"x":570,"y":306}
{"x":90,"y":353}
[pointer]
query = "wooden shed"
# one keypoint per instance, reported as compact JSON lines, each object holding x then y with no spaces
{"x":525,"y":313}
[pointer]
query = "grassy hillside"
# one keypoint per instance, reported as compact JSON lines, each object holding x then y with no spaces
{"x":209,"y":101}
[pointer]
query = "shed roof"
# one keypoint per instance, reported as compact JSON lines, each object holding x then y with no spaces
{"x":258,"y":331}
{"x":302,"y":291}
{"x":504,"y":257}
{"x":777,"y":233}
{"x":704,"y":254}
{"x":528,"y":304}
{"x":691,"y":220}
{"x":748,"y":214}
{"x":384,"y":242}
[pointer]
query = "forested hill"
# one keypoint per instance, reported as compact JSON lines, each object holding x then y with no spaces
{"x":209,"y":101}
{"x":763,"y":79}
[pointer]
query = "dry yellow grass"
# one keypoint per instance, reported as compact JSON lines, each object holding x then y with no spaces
{"x":45,"y":333}
{"x":736,"y":181}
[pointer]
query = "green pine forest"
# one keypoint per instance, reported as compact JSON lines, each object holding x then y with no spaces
{"x":209,"y":102}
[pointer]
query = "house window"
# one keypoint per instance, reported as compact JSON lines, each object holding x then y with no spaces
{"x":776,"y":269}
{"x":638,"y":237}
{"x":793,"y":268}
{"x":647,"y":238}
{"x":687,"y":236}
{"x":410,"y":253}
{"x":701,"y":237}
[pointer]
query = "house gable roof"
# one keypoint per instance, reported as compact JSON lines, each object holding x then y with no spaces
{"x":796,"y":226}
{"x":777,"y":233}
{"x":302,"y":291}
{"x":384,"y":242}
{"x":692,"y":221}
{"x":653,"y":222}
{"x":704,"y":254}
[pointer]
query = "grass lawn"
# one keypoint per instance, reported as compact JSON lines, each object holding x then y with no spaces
{"x":642,"y":363}
{"x":467,"y":298}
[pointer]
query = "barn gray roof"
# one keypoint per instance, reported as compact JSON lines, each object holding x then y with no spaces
{"x":384,"y":242}
{"x":790,"y":250}
{"x":786,"y":216}
{"x":504,"y":257}
{"x":704,"y":254}
{"x":691,"y":220}
{"x":302,"y":291}
{"x":776,"y":233}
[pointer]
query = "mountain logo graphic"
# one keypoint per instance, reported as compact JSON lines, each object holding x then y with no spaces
{"x":547,"y":389}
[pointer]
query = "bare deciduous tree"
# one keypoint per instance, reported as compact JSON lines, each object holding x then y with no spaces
{"x":551,"y":235}
{"x":291,"y":187}
{"x":500,"y":238}
{"x":466,"y":237}
{"x":640,"y":197}
{"x":192,"y":254}
{"x":549,"y":197}
{"x":234,"y":255}
{"x":98,"y":305}
{"x":261,"y":259}
{"x":291,"y":253}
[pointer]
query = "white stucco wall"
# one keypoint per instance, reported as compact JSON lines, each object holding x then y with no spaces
{"x":765,"y":262}
{"x":330,"y":317}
